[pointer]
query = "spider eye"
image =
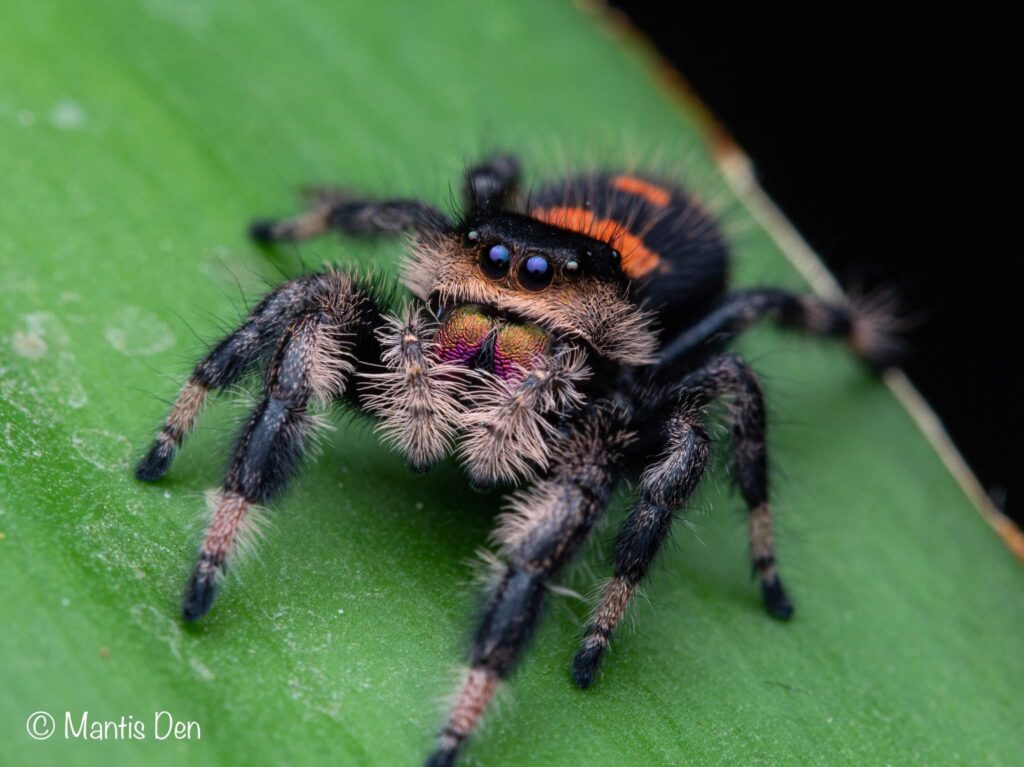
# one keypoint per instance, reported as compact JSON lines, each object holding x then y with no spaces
{"x":535,"y":274}
{"x":495,"y":260}
{"x":572,"y":266}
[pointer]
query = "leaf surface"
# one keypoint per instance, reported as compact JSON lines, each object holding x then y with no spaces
{"x":137,"y":140}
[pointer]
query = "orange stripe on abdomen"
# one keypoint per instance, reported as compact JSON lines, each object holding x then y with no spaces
{"x":653,"y":193}
{"x":637,"y":259}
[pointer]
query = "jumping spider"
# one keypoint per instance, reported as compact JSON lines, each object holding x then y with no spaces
{"x":565,"y":343}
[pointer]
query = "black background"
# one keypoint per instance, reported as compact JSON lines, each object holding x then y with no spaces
{"x":888,"y":140}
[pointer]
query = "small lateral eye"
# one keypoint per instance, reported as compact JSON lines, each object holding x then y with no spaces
{"x":572,"y":266}
{"x":535,"y":273}
{"x":495,"y":260}
{"x":472,"y":236}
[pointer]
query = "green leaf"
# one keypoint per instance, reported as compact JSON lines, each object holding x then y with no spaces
{"x":137,"y":140}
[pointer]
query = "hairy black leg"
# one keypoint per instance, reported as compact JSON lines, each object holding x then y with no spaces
{"x":867,"y":329}
{"x":312,"y":361}
{"x":730,"y":377}
{"x":491,"y":184}
{"x":664,"y":487}
{"x":224,"y":365}
{"x":334,"y":209}
{"x":543,"y":530}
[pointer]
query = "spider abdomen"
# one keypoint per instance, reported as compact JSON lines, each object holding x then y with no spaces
{"x":672,"y":247}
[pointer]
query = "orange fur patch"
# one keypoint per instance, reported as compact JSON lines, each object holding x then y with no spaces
{"x":641,"y":188}
{"x":637,"y":259}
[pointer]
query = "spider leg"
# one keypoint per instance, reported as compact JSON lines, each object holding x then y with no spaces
{"x":730,"y":376}
{"x":417,"y":398}
{"x":313,"y":361}
{"x":506,"y":433}
{"x":539,"y":535}
{"x":228,"y":361}
{"x":334,"y":209}
{"x":492,"y":183}
{"x":867,"y":328}
{"x":665,"y":487}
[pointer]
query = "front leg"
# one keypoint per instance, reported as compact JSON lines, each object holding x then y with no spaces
{"x":313,"y":361}
{"x":545,"y":527}
{"x":245,"y":348}
{"x":312,"y":333}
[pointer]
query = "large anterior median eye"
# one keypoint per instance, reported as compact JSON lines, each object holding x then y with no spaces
{"x":535,"y":273}
{"x":495,"y":260}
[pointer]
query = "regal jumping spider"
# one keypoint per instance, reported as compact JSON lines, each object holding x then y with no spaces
{"x":562,"y":343}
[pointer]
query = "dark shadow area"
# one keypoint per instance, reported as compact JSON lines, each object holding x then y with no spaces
{"x":887,"y":140}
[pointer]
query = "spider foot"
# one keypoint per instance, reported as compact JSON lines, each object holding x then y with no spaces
{"x":441,"y":758}
{"x":156,"y":462}
{"x":586,"y":664}
{"x":776,"y":601}
{"x":199,"y":595}
{"x":263,"y":231}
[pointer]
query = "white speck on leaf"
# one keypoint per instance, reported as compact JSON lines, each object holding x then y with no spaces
{"x":201,"y":669}
{"x":103,"y":449}
{"x":30,"y":342}
{"x":67,"y":115}
{"x":45,"y":341}
{"x":158,"y":625}
{"x":137,"y":332}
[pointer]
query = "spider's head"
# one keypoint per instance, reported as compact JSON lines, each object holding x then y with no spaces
{"x":569,"y":284}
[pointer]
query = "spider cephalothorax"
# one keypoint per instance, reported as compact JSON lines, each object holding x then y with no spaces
{"x":565,"y":343}
{"x":570,"y":284}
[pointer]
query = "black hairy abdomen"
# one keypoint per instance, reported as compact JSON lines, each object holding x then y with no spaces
{"x":673,"y":249}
